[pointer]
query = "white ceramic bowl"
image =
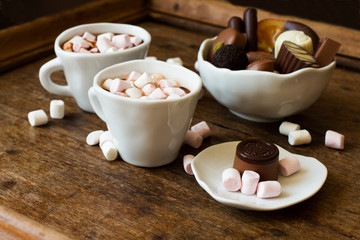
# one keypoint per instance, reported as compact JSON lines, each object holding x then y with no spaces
{"x":262,"y":96}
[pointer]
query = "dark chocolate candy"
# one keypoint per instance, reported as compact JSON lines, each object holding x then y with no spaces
{"x":236,"y":23}
{"x":259,"y":156}
{"x":261,"y":65}
{"x":326,"y":51}
{"x":250,"y":23}
{"x":228,"y":36}
{"x":259,"y":55}
{"x":292,"y":57}
{"x":290,"y":25}
{"x":230,"y":56}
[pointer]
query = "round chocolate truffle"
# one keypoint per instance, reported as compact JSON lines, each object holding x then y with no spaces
{"x":231,"y":57}
{"x":259,"y":156}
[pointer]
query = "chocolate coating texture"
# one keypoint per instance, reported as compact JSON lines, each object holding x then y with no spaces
{"x":290,"y":25}
{"x":230,"y":56}
{"x":250,"y":23}
{"x":259,"y":55}
{"x":261,"y":65}
{"x":259,"y":156}
{"x":236,"y":23}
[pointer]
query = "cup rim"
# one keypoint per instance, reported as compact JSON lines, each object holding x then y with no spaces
{"x":59,"y":39}
{"x":211,"y":67}
{"x":98,"y":79}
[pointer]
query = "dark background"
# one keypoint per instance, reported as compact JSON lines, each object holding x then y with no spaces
{"x":340,"y":12}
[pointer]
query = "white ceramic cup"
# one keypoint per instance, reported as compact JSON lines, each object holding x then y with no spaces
{"x":80,"y":68}
{"x":147,"y":133}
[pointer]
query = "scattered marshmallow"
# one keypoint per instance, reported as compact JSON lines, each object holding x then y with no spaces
{"x":231,"y":179}
{"x":299,"y":137}
{"x":37,"y":118}
{"x":109,"y":150}
{"x":286,"y":127}
{"x":334,"y":140}
{"x":175,"y":60}
{"x":104,"y":137}
{"x":57,"y":109}
{"x":193,"y":139}
{"x":201,"y":128}
{"x":268,"y":189}
{"x":289,"y":165}
{"x":187,"y":163}
{"x":93,"y":138}
{"x":250,"y":180}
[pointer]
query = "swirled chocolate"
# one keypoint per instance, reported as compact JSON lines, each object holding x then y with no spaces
{"x":259,"y":156}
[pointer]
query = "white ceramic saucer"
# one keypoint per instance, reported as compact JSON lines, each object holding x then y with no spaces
{"x":209,"y":164}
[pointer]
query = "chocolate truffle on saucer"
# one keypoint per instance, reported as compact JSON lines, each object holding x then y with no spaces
{"x":231,"y":57}
{"x":259,"y":156}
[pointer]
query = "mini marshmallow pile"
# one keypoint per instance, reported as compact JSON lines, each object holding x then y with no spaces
{"x":102,"y":43}
{"x":39,"y":117}
{"x":145,"y":86}
{"x":249,"y":183}
{"x":297,"y":136}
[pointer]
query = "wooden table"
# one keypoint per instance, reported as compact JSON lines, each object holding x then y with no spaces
{"x":55,"y":186}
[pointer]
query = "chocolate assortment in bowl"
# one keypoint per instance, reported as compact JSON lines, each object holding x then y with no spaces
{"x":273,"y":45}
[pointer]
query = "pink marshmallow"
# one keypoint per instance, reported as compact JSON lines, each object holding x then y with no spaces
{"x":94,"y":50}
{"x":103,"y":44}
{"x":165,"y":83}
{"x":121,"y":41}
{"x":133,"y":76}
{"x":174,"y":91}
{"x":157,"y":94}
{"x":231,"y":179}
{"x":148,"y":88}
{"x":135,"y":40}
{"x":334,"y":140}
{"x":250,"y":180}
{"x":193,"y":139}
{"x":289,"y":166}
{"x":105,"y":137}
{"x":268,"y":189}
{"x":202,"y":129}
{"x":80,"y":44}
{"x":118,"y":85}
{"x":187,"y":163}
{"x":88,"y":36}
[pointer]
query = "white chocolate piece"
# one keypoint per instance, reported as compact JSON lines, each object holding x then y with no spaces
{"x":334,"y":140}
{"x":57,"y":109}
{"x":193,"y":139}
{"x":250,"y":180}
{"x":104,"y":137}
{"x":286,"y":127}
{"x":289,"y":165}
{"x":201,"y":128}
{"x":175,"y":60}
{"x":144,"y":79}
{"x":187,"y":163}
{"x":109,"y":150}
{"x":37,"y":118}
{"x":93,"y":138}
{"x":133,"y":92}
{"x":268,"y":189}
{"x":297,"y":37}
{"x":231,"y":179}
{"x":299,"y":137}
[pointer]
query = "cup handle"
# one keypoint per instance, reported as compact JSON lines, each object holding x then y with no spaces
{"x":95,"y":103}
{"x":45,"y":78}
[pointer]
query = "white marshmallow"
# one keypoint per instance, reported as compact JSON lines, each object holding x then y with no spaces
{"x":107,"y":35}
{"x":103,"y":44}
{"x":201,"y":128}
{"x":88,"y":36}
{"x":268,"y":189}
{"x":148,"y":88}
{"x":109,"y":150}
{"x":299,"y":137}
{"x":121,"y":41}
{"x":193,"y":139}
{"x":174,"y":96}
{"x":119,"y":85}
{"x":187,"y":163}
{"x":289,"y":165}
{"x":93,"y":138}
{"x":175,"y":60}
{"x":133,"y":76}
{"x":111,"y":49}
{"x":133,"y":92}
{"x":104,"y":137}
{"x":231,"y":179}
{"x":286,"y":127}
{"x":80,"y":44}
{"x":165,"y":83}
{"x":250,"y":180}
{"x":57,"y":109}
{"x":94,"y":50}
{"x":37,"y":118}
{"x":107,"y":83}
{"x":83,"y":50}
{"x":135,"y":40}
{"x":174,"y":91}
{"x":157,"y":94}
{"x":334,"y":140}
{"x":76,"y":39}
{"x":143,"y":80}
